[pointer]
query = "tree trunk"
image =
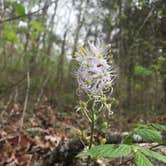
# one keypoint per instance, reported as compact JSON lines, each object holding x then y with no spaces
{"x":60,"y":67}
{"x":163,"y":37}
{"x":50,"y":43}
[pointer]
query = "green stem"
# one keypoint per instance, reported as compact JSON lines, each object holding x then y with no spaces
{"x":86,"y":114}
{"x":92,"y":128}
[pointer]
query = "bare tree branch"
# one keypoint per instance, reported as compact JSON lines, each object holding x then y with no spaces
{"x":24,"y":15}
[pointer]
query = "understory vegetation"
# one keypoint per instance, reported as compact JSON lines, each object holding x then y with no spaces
{"x":48,"y":96}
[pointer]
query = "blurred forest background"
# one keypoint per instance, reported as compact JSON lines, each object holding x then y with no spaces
{"x":38,"y":40}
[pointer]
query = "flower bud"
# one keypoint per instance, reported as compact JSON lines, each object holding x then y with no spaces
{"x":104,"y":126}
{"x":79,"y":133}
{"x":83,"y":104}
{"x":103,"y":99}
{"x":103,"y":141}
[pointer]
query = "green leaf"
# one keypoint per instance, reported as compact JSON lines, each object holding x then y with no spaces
{"x":37,"y":25}
{"x":161,"y":59}
{"x":139,"y":70}
{"x":139,"y":125}
{"x":153,"y":154}
{"x":142,"y":160}
{"x":159,"y":127}
{"x":19,"y":9}
{"x":155,"y":67}
{"x":97,"y":151}
{"x":121,"y":151}
{"x":142,"y":71}
{"x":10,"y":35}
{"x":128,"y":139}
{"x":116,"y":6}
{"x":107,"y":151}
{"x":149,"y":134}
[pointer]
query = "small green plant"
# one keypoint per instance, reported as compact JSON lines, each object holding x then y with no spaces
{"x":139,"y":154}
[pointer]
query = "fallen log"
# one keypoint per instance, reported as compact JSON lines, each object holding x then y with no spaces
{"x":64,"y":154}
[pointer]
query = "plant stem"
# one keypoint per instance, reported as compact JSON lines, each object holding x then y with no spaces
{"x":92,"y":125}
{"x":92,"y":128}
{"x":86,"y":115}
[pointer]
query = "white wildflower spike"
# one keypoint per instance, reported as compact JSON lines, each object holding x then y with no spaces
{"x":94,"y":75}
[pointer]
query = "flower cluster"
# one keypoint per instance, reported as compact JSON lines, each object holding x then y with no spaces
{"x":94,"y":75}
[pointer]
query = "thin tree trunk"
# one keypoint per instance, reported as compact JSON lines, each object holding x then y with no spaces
{"x":129,"y":80}
{"x":87,"y":35}
{"x":95,"y":35}
{"x":81,"y":19}
{"x":163,"y":37}
{"x":50,"y":43}
{"x":60,"y":67}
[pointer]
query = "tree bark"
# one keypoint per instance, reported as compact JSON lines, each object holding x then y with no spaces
{"x":50,"y":43}
{"x":60,"y":67}
{"x":163,"y":37}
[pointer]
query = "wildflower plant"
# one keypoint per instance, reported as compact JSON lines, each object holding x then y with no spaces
{"x":95,"y":77}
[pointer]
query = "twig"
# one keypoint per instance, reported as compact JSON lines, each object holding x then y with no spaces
{"x":6,"y":138}
{"x":140,"y":28}
{"x":18,"y":17}
{"x":155,"y":146}
{"x":24,"y":15}
{"x":145,"y":21}
{"x":26,"y":99}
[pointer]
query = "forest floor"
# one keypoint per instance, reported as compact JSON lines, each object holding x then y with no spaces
{"x":44,"y":128}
